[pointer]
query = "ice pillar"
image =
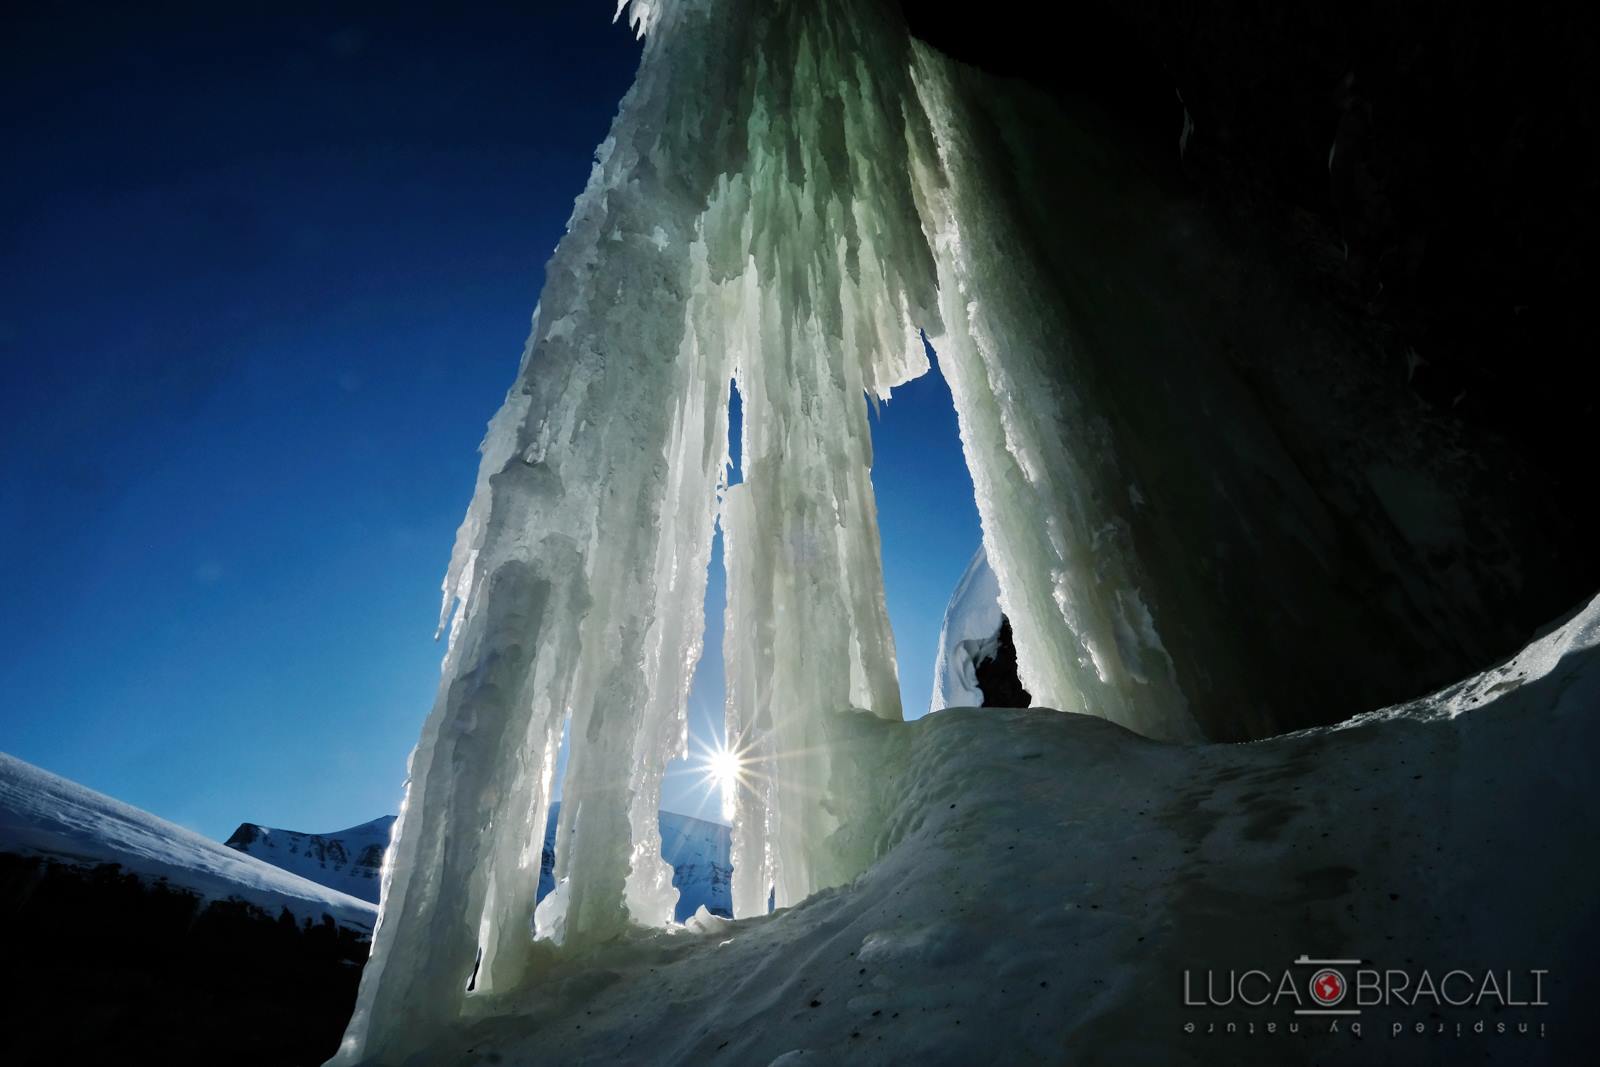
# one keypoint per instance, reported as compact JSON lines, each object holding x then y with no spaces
{"x":577,"y":581}
{"x":1050,"y":491}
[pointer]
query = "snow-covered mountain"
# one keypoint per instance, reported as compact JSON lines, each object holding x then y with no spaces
{"x":698,"y":851}
{"x":350,"y":861}
{"x":702,"y":870}
{"x":977,"y":663}
{"x":968,"y":635}
{"x":43,"y":814}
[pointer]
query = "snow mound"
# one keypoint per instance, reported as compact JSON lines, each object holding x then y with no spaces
{"x":350,"y":861}
{"x":43,"y":814}
{"x":1043,"y":881}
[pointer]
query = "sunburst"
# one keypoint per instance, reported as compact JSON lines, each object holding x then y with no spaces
{"x":724,"y":768}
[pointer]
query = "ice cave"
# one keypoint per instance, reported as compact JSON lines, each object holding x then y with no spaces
{"x":1204,"y":668}
{"x":1191,"y":537}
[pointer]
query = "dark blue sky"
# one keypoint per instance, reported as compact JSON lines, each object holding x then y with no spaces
{"x":266,"y":278}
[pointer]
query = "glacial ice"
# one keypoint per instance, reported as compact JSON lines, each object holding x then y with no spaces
{"x":784,"y":200}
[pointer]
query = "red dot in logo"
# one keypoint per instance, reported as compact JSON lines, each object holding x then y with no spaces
{"x":1327,"y":987}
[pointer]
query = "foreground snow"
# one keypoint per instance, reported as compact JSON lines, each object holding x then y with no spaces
{"x":1046,"y":879}
{"x":43,"y":814}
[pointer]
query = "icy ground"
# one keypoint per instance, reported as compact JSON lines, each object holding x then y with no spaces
{"x":42,"y":814}
{"x":1045,"y":879}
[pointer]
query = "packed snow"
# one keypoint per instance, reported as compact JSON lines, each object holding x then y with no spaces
{"x":42,"y":814}
{"x":1043,"y":881}
{"x":350,"y":861}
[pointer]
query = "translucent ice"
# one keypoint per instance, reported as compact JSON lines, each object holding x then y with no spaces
{"x":783,"y":201}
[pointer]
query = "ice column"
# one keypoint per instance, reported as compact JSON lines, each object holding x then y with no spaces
{"x":749,"y":215}
{"x":576,"y":581}
{"x":1043,"y":464}
{"x":780,"y":203}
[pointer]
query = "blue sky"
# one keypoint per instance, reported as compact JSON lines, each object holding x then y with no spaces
{"x":267,"y":276}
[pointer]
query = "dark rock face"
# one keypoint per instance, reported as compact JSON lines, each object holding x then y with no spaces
{"x":997,"y":675}
{"x":1331,"y":332}
{"x":1433,"y":163}
{"x":101,"y":967}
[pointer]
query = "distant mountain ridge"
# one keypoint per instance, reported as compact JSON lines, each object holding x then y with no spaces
{"x":699,"y":852}
{"x":351,"y":861}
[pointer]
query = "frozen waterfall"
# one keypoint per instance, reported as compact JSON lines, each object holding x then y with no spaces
{"x":784,"y":200}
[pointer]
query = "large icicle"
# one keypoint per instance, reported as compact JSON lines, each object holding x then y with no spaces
{"x":1044,"y":468}
{"x":749,"y":215}
{"x":837,"y":262}
{"x":579,"y":572}
{"x":762,"y":211}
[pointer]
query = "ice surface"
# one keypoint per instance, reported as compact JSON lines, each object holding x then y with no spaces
{"x":43,"y":814}
{"x":969,"y":635}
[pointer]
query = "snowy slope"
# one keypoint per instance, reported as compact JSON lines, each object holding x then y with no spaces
{"x":46,"y":815}
{"x":350,"y":861}
{"x":969,"y":635}
{"x":1044,"y":880}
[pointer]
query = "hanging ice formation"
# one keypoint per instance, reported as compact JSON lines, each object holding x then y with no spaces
{"x":782,"y":201}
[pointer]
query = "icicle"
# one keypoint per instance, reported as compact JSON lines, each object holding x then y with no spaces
{"x":773,"y":205}
{"x":596,"y":486}
{"x":1041,"y":467}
